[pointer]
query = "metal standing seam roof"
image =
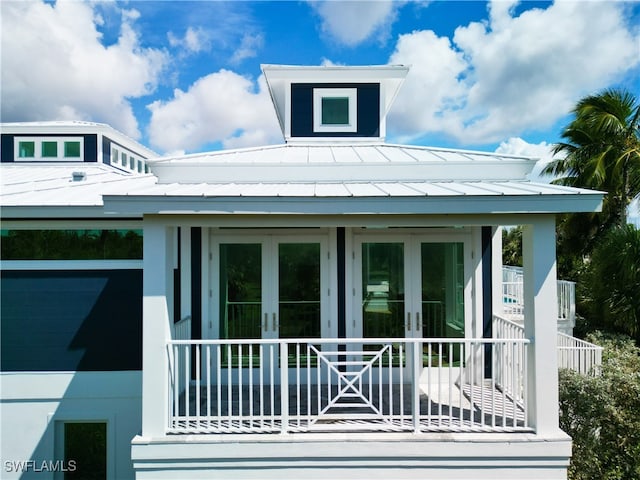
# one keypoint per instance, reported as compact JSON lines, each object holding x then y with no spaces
{"x":371,"y":177}
{"x":53,"y":184}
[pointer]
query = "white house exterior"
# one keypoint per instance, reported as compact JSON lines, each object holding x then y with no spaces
{"x":325,"y":308}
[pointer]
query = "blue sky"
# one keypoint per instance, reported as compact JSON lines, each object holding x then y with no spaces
{"x":185,"y":76}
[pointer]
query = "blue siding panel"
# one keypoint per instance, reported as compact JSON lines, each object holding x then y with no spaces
{"x":368,"y":109}
{"x":71,"y":320}
{"x":6,"y":148}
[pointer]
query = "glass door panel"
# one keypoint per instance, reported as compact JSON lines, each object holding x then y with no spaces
{"x":240,"y":293}
{"x":383,"y":298}
{"x":299,"y":294}
{"x":442,"y":292}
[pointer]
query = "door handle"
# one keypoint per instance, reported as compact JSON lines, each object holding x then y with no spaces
{"x":409,"y":321}
{"x":266,"y":322}
{"x":418,"y":322}
{"x":275,"y":324}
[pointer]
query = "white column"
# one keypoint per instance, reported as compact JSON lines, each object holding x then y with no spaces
{"x":540,"y":322}
{"x":157,"y":290}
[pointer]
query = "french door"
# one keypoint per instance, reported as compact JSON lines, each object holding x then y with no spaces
{"x":269,"y":287}
{"x":413,"y":286}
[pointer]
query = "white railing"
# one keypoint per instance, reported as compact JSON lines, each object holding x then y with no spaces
{"x":573,"y":353}
{"x":513,"y":296}
{"x":578,"y":355}
{"x":346,"y":385}
{"x":504,"y":328}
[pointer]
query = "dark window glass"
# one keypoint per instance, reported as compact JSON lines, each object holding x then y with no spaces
{"x":85,"y":448}
{"x":72,"y":149}
{"x":27,"y":150}
{"x":71,"y":244}
{"x":50,"y":149}
{"x":335,"y":111}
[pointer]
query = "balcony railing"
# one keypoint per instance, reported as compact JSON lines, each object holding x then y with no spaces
{"x":578,"y":355}
{"x":573,"y":353}
{"x":513,"y":297}
{"x":347,"y":385}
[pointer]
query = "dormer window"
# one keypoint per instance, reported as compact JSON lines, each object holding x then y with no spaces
{"x":335,"y":110}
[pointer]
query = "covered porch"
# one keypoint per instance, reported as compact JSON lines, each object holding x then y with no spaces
{"x":476,"y":377}
{"x":364,"y":311}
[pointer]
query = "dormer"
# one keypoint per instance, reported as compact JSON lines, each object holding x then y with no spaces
{"x":333,"y":103}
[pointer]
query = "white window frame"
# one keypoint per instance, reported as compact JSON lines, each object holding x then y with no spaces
{"x":351,"y":94}
{"x":37,"y":157}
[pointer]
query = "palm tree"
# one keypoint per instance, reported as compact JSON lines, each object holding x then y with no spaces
{"x":602,"y":152}
{"x":612,"y":286}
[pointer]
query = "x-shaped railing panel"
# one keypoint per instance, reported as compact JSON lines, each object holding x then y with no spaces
{"x":350,"y":382}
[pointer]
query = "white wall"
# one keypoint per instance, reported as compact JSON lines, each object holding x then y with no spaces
{"x":32,"y":402}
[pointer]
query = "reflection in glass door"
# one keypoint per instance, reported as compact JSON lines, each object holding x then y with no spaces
{"x":299,"y":290}
{"x":240,"y":306}
{"x":383,"y":298}
{"x":442,"y":290}
{"x":411,"y":288}
{"x":269,"y":288}
{"x":299,"y":306}
{"x":240,"y":290}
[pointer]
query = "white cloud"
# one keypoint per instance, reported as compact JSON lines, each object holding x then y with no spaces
{"x":220,"y":107}
{"x":195,"y":40}
{"x":54,"y":66}
{"x":511,"y":74}
{"x":351,"y":23}
{"x":248,"y":48}
{"x":519,"y":147}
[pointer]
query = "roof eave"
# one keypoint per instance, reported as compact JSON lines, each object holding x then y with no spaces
{"x":138,"y":205}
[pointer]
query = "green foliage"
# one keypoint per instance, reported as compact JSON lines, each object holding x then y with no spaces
{"x":512,"y":246}
{"x":602,"y":152}
{"x":71,"y":244}
{"x":610,"y":289}
{"x":601,"y":413}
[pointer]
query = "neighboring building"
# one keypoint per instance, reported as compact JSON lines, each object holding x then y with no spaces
{"x":325,"y":308}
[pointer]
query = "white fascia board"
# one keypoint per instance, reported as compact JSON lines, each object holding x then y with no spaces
{"x":455,"y":205}
{"x":339,"y":172}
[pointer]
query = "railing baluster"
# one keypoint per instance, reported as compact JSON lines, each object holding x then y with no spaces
{"x":262,"y":373}
{"x":208,"y":373}
{"x":284,"y":387}
{"x":415,"y":385}
{"x":251,"y":384}
{"x":240,"y":385}
{"x":197,"y":386}
{"x":219,"y":383}
{"x":272,"y":399}
{"x":187,"y":376}
{"x":229,"y":385}
{"x":176,"y":384}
